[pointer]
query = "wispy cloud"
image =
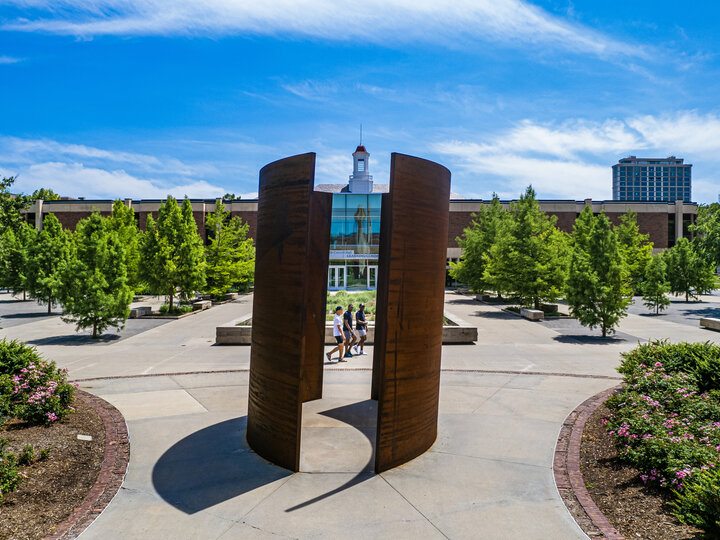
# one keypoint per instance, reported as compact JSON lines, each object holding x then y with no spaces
{"x":84,"y":171}
{"x":10,"y":60}
{"x":77,"y":180}
{"x":21,"y":150}
{"x":573,"y":159}
{"x":452,"y":23}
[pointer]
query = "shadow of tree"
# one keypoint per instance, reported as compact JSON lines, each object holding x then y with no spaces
{"x":589,"y":340}
{"x":29,"y":315}
{"x":75,"y":340}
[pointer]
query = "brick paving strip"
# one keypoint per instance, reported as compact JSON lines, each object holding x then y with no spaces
{"x":448,"y":370}
{"x":112,"y":471}
{"x":568,"y":477}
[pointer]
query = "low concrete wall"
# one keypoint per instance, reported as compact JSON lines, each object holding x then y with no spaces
{"x":140,"y":311}
{"x":232,"y":334}
{"x":710,"y":323}
{"x":532,"y":314}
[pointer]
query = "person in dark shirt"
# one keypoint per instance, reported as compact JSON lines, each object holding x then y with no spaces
{"x":348,"y":332}
{"x":361,"y":327}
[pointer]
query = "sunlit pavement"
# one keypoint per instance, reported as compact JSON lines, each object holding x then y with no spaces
{"x":489,"y":474}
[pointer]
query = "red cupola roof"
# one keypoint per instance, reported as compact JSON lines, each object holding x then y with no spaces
{"x":360,"y":148}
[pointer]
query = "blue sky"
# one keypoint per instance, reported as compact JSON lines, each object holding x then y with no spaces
{"x":141,"y":98}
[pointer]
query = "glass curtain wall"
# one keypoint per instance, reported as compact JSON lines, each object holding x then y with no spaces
{"x":354,"y":241}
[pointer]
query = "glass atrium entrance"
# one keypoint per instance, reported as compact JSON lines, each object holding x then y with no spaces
{"x":354,"y":241}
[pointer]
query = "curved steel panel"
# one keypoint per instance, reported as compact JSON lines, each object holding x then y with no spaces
{"x":411,"y":289}
{"x":286,"y":356}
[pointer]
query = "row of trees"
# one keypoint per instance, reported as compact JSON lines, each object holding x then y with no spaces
{"x":94,"y":271}
{"x":521,"y":252}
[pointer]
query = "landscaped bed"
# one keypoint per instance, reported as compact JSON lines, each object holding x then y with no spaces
{"x":57,"y":483}
{"x":651,"y":456}
{"x":45,"y":470}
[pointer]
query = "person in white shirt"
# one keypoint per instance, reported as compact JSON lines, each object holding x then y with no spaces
{"x":338,"y":333}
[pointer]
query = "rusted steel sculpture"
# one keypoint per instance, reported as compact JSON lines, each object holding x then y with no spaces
{"x":286,"y":362}
{"x":292,"y":251}
{"x":408,"y":328}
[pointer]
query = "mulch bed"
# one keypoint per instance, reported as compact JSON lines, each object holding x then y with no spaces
{"x":634,"y":509}
{"x":58,"y":484}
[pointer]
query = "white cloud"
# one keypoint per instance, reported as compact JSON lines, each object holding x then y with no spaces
{"x":10,"y":60}
{"x":77,"y":170}
{"x":77,"y":180}
{"x":451,"y":23}
{"x":32,"y":150}
{"x":573,"y":159}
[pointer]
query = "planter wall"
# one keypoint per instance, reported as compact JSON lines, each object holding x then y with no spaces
{"x":231,"y":334}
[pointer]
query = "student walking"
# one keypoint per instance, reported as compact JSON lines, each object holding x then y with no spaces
{"x":348,"y":332}
{"x":361,"y":327}
{"x":338,"y":333}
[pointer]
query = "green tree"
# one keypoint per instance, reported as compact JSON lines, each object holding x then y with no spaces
{"x":688,"y":272}
{"x":230,"y":256}
{"x":14,"y":250}
{"x":596,"y":289}
{"x":11,"y":206}
{"x":192,"y":254}
{"x":636,"y":249}
{"x":707,"y":229}
{"x":529,"y":258}
{"x":655,"y":285}
{"x":94,"y":287}
{"x":476,"y":241}
{"x":171,"y":252}
{"x":45,"y":258}
{"x":122,"y":221}
{"x":44,"y":194}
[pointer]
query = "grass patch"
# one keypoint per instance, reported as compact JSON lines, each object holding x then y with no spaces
{"x":176,"y":310}
{"x":343,"y":298}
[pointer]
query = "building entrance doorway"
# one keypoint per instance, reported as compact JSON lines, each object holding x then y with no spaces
{"x":336,"y":278}
{"x":372,"y":277}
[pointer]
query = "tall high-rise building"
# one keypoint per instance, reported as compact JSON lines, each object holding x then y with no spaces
{"x":652,"y":179}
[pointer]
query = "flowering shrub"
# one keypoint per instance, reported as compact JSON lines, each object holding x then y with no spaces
{"x":666,"y":422}
{"x":31,"y":388}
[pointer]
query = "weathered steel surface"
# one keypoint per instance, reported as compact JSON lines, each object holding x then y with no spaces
{"x":286,"y":357}
{"x":316,"y":281}
{"x":411,"y":287}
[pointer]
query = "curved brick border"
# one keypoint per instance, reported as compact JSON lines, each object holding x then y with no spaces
{"x":566,"y":468}
{"x":112,"y":471}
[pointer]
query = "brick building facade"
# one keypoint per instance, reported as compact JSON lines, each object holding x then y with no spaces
{"x":663,"y":221}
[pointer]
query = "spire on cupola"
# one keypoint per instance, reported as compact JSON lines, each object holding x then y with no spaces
{"x":361,"y":181}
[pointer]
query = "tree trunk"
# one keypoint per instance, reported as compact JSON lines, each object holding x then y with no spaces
{"x":604,"y":330}
{"x":94,"y":329}
{"x":24,"y":297}
{"x":49,"y":305}
{"x":171,"y":303}
{"x":537,"y":303}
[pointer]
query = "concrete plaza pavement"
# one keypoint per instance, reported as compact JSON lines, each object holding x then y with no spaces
{"x":489,"y":474}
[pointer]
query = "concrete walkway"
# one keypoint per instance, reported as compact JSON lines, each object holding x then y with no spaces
{"x":489,"y":475}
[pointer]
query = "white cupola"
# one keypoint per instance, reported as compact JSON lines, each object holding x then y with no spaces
{"x":361,"y":181}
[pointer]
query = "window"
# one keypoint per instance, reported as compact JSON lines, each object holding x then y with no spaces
{"x":361,"y":165}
